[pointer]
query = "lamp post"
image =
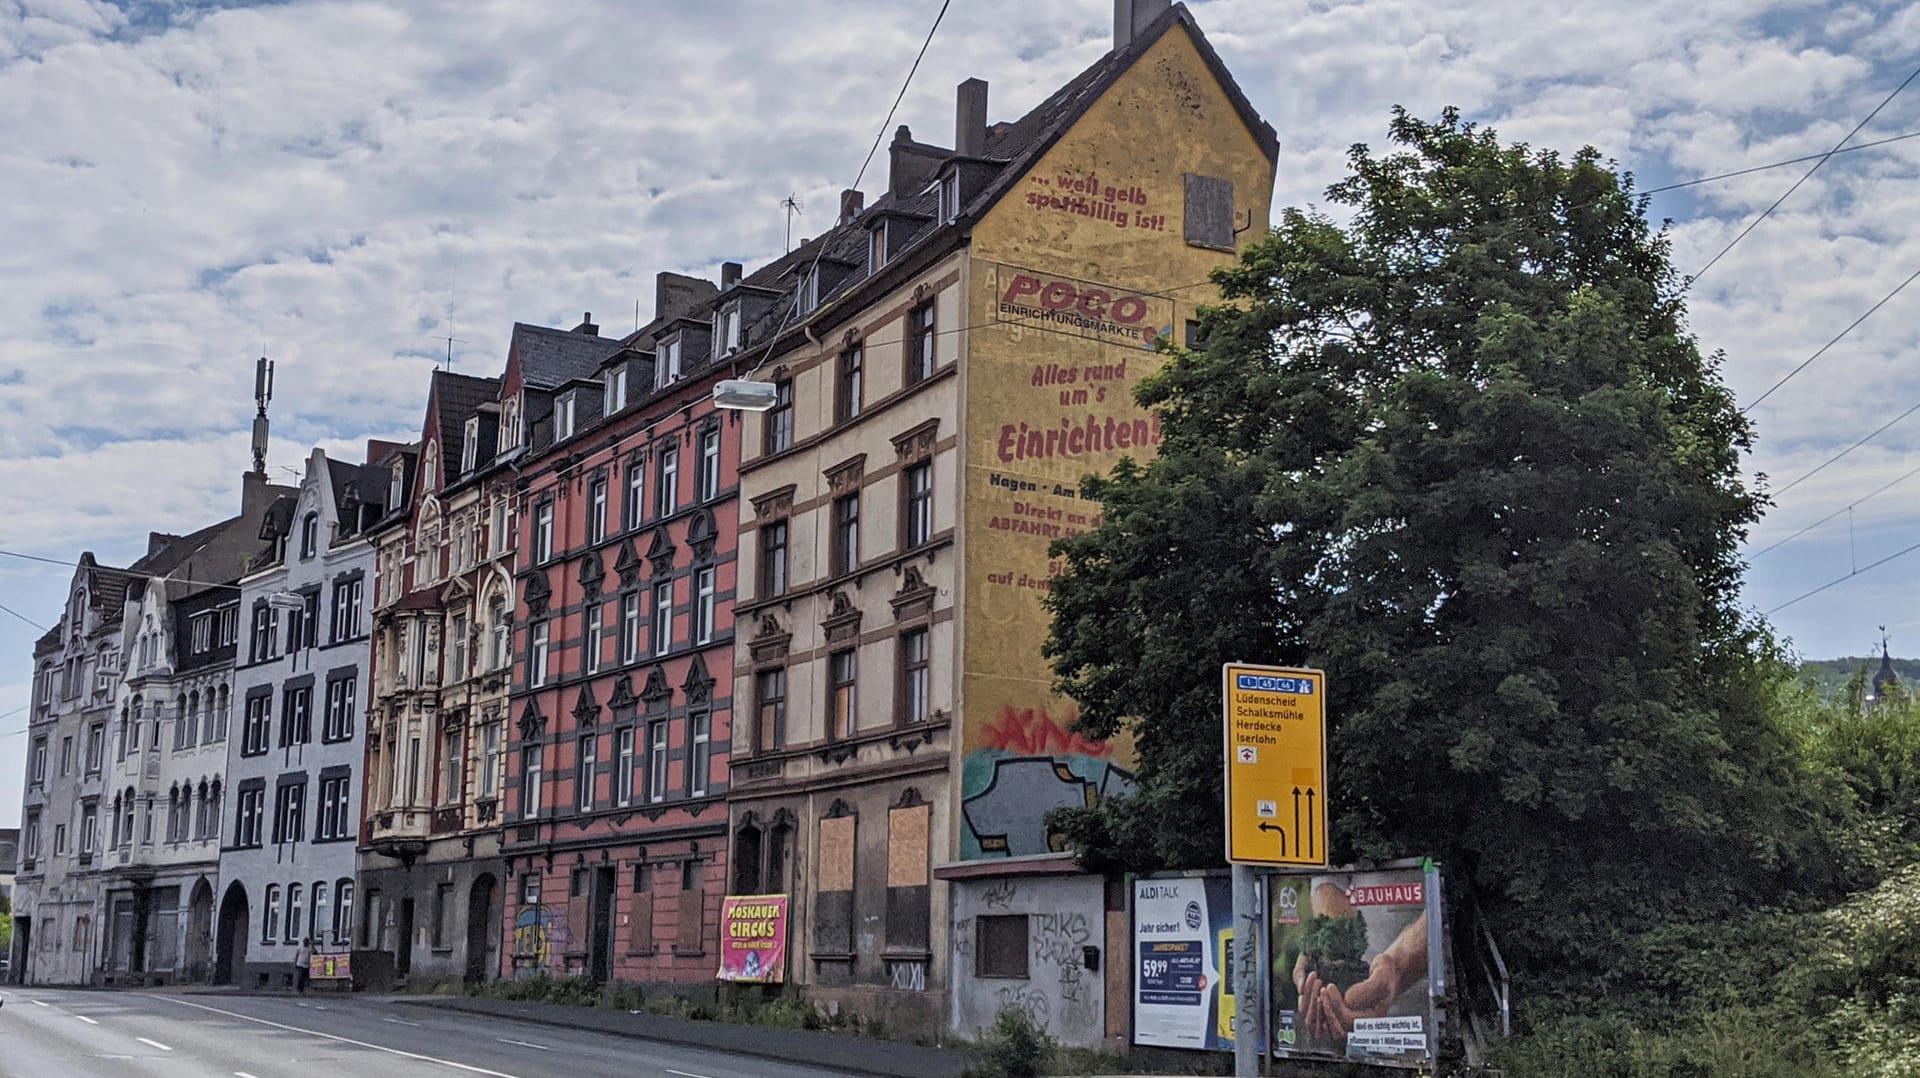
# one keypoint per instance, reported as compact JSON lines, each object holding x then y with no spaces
{"x":744,"y":395}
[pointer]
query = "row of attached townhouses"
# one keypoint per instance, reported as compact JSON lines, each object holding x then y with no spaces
{"x":534,"y":692}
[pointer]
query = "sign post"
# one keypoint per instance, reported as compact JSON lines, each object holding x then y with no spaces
{"x":1276,"y":809}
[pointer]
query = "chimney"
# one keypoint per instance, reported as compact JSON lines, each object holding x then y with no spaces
{"x":851,"y":203}
{"x":1132,"y":17}
{"x":586,"y":325}
{"x":729,"y":275}
{"x":911,"y":166}
{"x":970,"y":119}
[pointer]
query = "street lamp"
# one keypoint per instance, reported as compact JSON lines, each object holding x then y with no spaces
{"x":287,"y":600}
{"x":744,"y":395}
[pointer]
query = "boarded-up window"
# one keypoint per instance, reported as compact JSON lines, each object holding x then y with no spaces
{"x":1002,"y":949}
{"x":833,"y":900}
{"x":640,"y":923}
{"x":908,"y":901}
{"x":836,"y":854}
{"x":692,"y":935}
{"x":1209,"y":217}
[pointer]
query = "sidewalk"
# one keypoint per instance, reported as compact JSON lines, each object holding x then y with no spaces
{"x":864,"y":1055}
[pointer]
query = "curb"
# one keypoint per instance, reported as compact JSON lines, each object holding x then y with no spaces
{"x":888,"y":1059}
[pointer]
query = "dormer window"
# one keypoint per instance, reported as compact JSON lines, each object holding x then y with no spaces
{"x":563,"y":418}
{"x":470,"y":445}
{"x":510,"y":430}
{"x":807,"y":296}
{"x":430,"y":468}
{"x":726,"y":331}
{"x":397,"y":486}
{"x":877,"y":246}
{"x":668,"y":363}
{"x":309,"y":535}
{"x":949,"y":196}
{"x":616,"y":390}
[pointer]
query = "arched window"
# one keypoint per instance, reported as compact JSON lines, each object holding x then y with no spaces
{"x":343,"y":914}
{"x":270,"y":916}
{"x":309,"y":535}
{"x":322,"y":919}
{"x":296,"y":910}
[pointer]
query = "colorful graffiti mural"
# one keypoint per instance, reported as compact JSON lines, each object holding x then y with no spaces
{"x":1029,"y":764}
{"x":539,"y":935}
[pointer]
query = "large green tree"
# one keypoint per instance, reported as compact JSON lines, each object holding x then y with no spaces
{"x":1458,"y":448}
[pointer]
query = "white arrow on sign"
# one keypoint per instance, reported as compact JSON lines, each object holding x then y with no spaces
{"x":1248,"y":754}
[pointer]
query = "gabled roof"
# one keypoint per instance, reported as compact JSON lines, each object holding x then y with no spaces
{"x":550,"y":356}
{"x":455,"y":397}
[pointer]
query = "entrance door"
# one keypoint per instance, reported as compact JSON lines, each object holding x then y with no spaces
{"x":199,"y":933}
{"x":230,"y":944}
{"x":18,"y":972}
{"x":601,"y":954}
{"x":403,"y":947}
{"x":482,"y":923}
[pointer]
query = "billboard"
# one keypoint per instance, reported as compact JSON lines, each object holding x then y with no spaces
{"x":337,"y":966}
{"x":1182,"y":950}
{"x":753,"y":938}
{"x":1353,"y":975}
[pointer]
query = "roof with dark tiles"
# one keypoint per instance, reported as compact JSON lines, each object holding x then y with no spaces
{"x":551,"y":356}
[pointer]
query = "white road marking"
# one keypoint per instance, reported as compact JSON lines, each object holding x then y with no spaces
{"x":87,"y":1020}
{"x":156,"y":1044}
{"x":401,"y":1022}
{"x":469,"y":1068}
{"x":39,"y":1003}
{"x":524,"y":1044}
{"x":242,"y":1074}
{"x":686,"y":1074}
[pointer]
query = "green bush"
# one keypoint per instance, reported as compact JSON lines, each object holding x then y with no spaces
{"x":1013,"y":1048}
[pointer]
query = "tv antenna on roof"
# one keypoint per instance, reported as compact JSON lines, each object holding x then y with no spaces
{"x":792,"y":204}
{"x":450,"y":338}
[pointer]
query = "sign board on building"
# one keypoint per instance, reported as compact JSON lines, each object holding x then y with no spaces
{"x":753,"y":938}
{"x":1276,"y":761}
{"x":330,"y":967}
{"x":1354,"y":976}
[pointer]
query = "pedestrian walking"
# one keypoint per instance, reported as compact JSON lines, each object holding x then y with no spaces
{"x":302,"y":964}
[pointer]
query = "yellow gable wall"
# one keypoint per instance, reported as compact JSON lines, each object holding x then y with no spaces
{"x":1072,"y":275}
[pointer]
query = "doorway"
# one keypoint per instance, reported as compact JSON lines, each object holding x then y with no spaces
{"x":403,"y":946}
{"x":18,"y":973}
{"x":482,"y":921}
{"x":230,"y":939}
{"x":199,"y":932}
{"x":600,"y":956}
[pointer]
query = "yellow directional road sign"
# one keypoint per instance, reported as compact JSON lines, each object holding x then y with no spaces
{"x":1276,"y":732}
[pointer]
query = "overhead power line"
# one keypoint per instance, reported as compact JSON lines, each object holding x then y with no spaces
{"x":23,"y":617}
{"x":1881,"y":430}
{"x":1823,"y":158}
{"x":1777,"y":543}
{"x":1841,"y":580}
{"x":1851,"y":326}
{"x":1780,"y":164}
{"x":130,"y":572}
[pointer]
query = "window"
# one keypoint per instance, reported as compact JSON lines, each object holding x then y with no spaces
{"x":66,"y":755}
{"x":537,"y":655}
{"x":502,"y":632}
{"x":877,"y":247}
{"x":296,"y":717}
{"x":773,"y":559}
{"x":500,"y":532}
{"x":779,"y":422}
{"x":490,"y":760}
{"x":338,"y":725}
{"x":530,"y":889}
{"x":662,"y":635}
{"x":949,"y":196}
{"x":413,"y":770}
{"x":591,"y":642}
{"x":343,"y":916}
{"x":37,"y":769}
{"x":616,"y":390}
{"x":806,"y":293}
{"x":915,"y":686}
{"x":174,"y":817}
{"x":289,"y":809}
{"x":346,"y":610}
{"x":317,"y":928}
{"x":597,"y":510}
{"x":146,"y":822}
{"x":920,"y":341}
{"x":530,"y":781}
{"x":636,"y":506}
{"x":705,"y":593}
{"x":296,"y":912}
{"x":254,"y":736}
{"x":727,"y":340}
{"x":230,"y":623}
{"x":623,"y":777}
{"x":770,"y":722}
{"x":543,"y":533}
{"x":30,"y":836}
{"x":563,"y":418}
{"x":246,"y":824}
{"x":843,"y":675}
{"x":96,"y":747}
{"x":849,"y":386}
{"x":309,"y":535}
{"x":630,"y":627}
{"x":457,"y":648}
{"x":583,"y":772}
{"x":666,"y":492}
{"x":263,"y":637}
{"x":709,"y":464}
{"x":89,"y":829}
{"x":270,"y":920}
{"x":469,"y":446}
{"x":845,"y":555}
{"x":699,"y":752}
{"x":1002,"y":946}
{"x":335,"y":821}
{"x":442,"y":916}
{"x":657,"y":760}
{"x":202,"y":632}
{"x":918,"y":481}
{"x":668,"y":367}
{"x":452,"y":765}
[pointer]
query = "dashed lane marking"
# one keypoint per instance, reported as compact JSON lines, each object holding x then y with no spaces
{"x":524,"y":1044}
{"x":469,"y":1068}
{"x":156,"y":1044}
{"x":87,"y":1020}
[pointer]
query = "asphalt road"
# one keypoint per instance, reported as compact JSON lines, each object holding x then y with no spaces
{"x":49,"y":1033}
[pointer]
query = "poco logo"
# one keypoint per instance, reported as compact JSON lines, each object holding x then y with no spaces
{"x":1292,"y":686}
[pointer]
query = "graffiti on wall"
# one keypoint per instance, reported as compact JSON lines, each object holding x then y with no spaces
{"x":1029,"y":764}
{"x":539,"y":933}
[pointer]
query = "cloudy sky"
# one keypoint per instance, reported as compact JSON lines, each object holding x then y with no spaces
{"x":184,"y":185}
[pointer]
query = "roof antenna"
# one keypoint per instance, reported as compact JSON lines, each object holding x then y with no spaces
{"x":450,"y":338}
{"x":792,"y":203}
{"x":262,"y":394}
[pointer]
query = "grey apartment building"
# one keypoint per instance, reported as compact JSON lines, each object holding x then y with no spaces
{"x":293,"y":755}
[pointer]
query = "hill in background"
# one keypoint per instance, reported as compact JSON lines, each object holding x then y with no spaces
{"x":1832,"y":674}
